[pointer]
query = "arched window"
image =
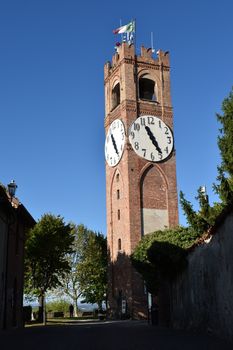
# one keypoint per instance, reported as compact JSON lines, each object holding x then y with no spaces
{"x":119,"y":244}
{"x":118,"y":214}
{"x":147,"y":88}
{"x":116,"y":96}
{"x":117,"y":177}
{"x":118,"y":194}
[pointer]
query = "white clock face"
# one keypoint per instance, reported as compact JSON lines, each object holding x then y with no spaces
{"x":114,"y":142}
{"x":151,"y":138}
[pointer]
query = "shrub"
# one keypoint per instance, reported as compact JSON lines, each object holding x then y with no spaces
{"x":162,"y":253}
{"x":58,"y":306}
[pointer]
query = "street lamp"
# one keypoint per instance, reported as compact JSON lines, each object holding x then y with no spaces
{"x":12,"y":188}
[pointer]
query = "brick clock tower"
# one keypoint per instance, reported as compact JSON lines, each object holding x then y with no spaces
{"x":140,"y":167}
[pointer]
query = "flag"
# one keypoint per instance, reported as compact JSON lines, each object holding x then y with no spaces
{"x":128,"y":28}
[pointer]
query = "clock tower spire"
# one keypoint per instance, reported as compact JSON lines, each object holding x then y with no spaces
{"x":141,"y":186}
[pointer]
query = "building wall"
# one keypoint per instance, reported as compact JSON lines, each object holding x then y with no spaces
{"x":15,"y":220}
{"x":3,"y":241}
{"x":14,"y":315}
{"x":202,"y":297}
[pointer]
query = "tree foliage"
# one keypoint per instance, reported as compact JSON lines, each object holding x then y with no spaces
{"x":46,"y":247}
{"x":162,"y":253}
{"x":202,"y":220}
{"x":87,"y":277}
{"x":59,"y":305}
{"x":70,"y":281}
{"x":224,"y":187}
{"x":225,"y":140}
{"x":92,"y":270}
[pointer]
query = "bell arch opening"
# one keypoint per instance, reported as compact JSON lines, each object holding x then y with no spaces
{"x":147,"y":88}
{"x":116,"y":98}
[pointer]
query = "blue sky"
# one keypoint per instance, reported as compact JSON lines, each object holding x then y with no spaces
{"x":52,"y":54}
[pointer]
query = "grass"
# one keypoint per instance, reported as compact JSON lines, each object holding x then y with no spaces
{"x":61,"y":321}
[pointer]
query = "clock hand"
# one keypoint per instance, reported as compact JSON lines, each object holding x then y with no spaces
{"x":114,"y":144}
{"x":153,"y":139}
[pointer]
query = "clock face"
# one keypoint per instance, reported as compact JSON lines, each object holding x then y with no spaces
{"x":114,"y":142}
{"x":151,"y":138}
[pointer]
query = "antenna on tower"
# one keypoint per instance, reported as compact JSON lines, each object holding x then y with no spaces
{"x":152,"y":42}
{"x":122,"y":36}
{"x":204,"y":193}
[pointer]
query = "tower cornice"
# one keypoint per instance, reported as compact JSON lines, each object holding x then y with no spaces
{"x":139,"y":63}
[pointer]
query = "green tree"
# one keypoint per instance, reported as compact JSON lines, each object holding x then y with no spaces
{"x":46,"y":247}
{"x":224,"y":188}
{"x":203,"y":219}
{"x":162,"y":254}
{"x":58,"y":305}
{"x":92,"y":270}
{"x":69,"y":282}
{"x":87,"y":277}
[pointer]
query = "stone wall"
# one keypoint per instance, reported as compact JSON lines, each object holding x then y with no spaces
{"x":202,"y":296}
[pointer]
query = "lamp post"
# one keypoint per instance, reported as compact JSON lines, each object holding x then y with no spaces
{"x":11,"y":190}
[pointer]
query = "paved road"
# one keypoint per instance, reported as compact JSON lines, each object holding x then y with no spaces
{"x":125,"y":335}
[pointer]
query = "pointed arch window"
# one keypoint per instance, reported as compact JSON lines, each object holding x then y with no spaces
{"x":116,"y":98}
{"x":147,"y":88}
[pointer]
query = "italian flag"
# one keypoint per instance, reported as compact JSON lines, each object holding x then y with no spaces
{"x":128,"y":28}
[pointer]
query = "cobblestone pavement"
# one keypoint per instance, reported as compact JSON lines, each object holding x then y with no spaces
{"x":122,"y":335}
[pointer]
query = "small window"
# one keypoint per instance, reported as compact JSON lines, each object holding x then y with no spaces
{"x":116,"y":96}
{"x":118,"y":194}
{"x":147,"y":89}
{"x":117,"y":177}
{"x":118,"y":214}
{"x":119,"y":244}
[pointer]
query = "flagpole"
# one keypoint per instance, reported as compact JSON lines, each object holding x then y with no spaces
{"x":135,"y":36}
{"x":152,"y":42}
{"x":121,"y":34}
{"x":135,"y":69}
